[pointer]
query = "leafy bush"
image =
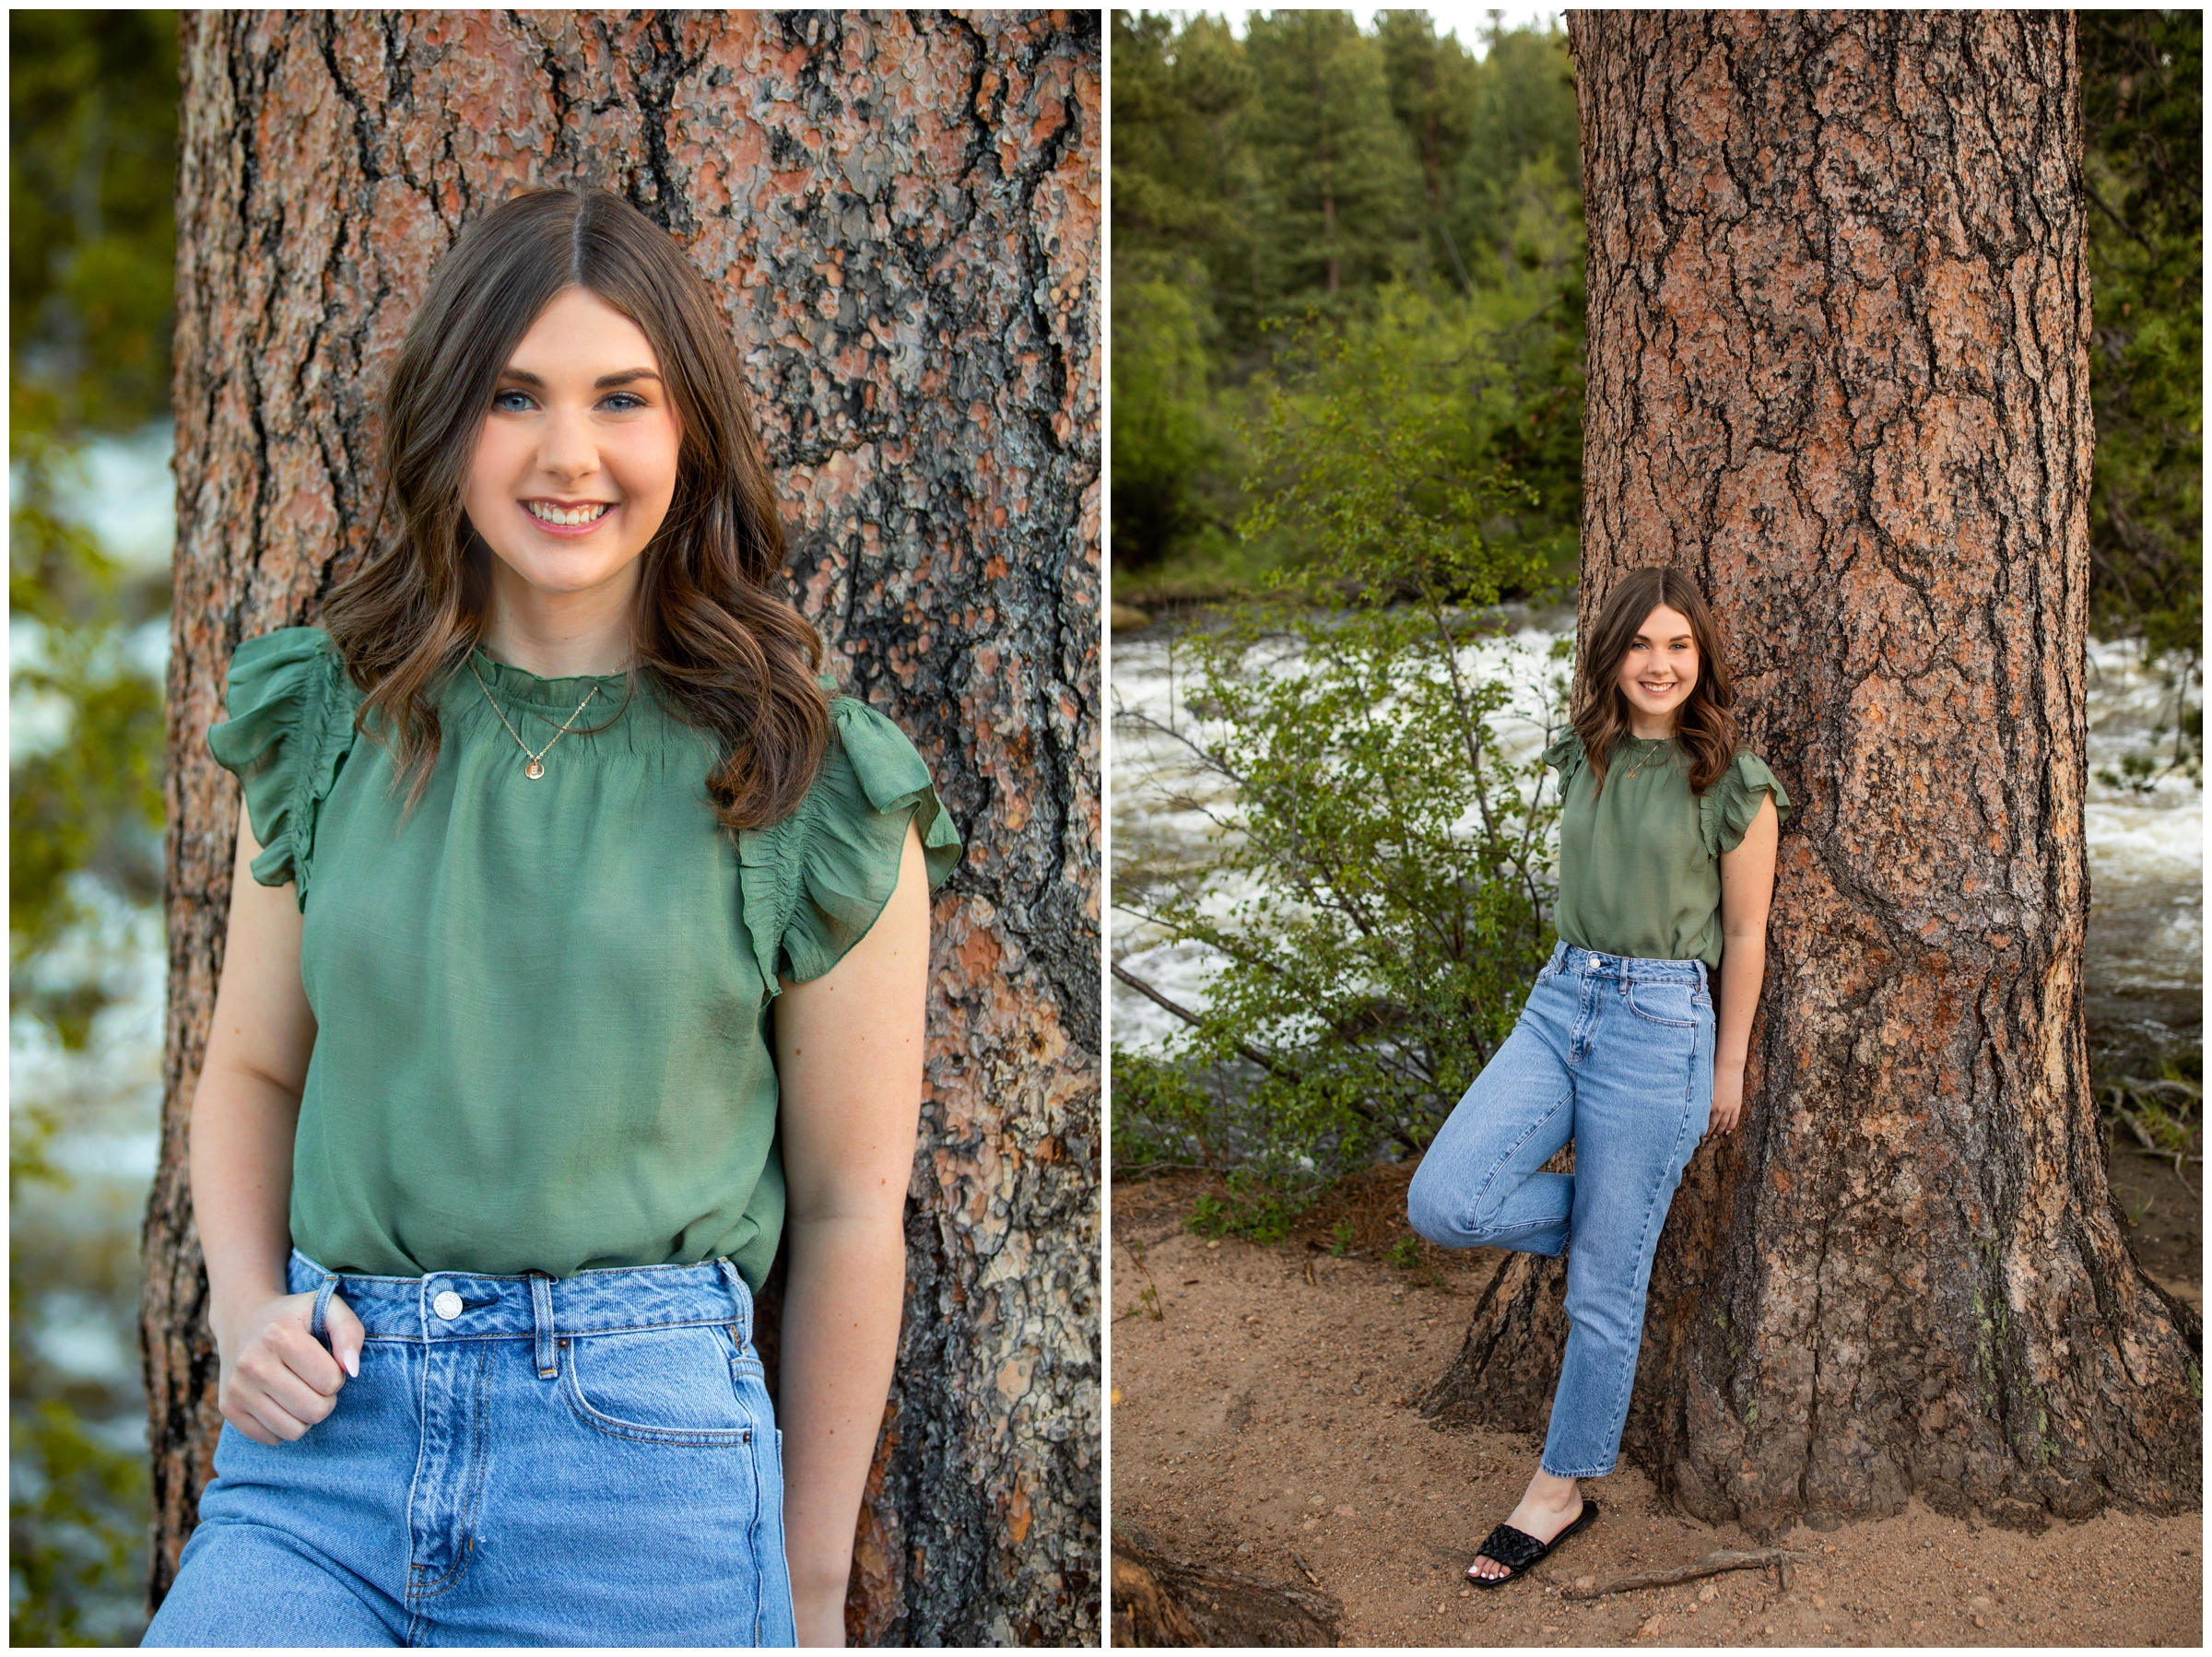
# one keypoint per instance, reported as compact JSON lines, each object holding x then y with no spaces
{"x":1251,"y":1208}
{"x":1382,"y":892}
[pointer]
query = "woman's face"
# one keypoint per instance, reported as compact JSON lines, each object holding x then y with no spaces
{"x":577,"y":464}
{"x":1660,"y":669}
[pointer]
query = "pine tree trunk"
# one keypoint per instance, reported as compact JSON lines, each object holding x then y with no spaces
{"x":901,"y":212}
{"x":1838,"y":370}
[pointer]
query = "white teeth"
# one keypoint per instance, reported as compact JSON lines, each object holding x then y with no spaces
{"x":544,"y":513}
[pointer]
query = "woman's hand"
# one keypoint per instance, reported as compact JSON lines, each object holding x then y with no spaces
{"x":276,"y":1380}
{"x":1727,"y":1099}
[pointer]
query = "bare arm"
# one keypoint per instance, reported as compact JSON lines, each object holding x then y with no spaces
{"x":1746,"y":891}
{"x":276,"y":1381}
{"x":848,"y":1059}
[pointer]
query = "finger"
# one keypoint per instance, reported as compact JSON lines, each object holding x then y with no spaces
{"x":267,"y":1371}
{"x":305,"y":1356}
{"x":270,"y":1416}
{"x":345,"y":1334}
{"x":242,"y":1420}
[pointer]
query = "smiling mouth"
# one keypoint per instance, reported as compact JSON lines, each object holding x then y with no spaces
{"x":568,"y":517}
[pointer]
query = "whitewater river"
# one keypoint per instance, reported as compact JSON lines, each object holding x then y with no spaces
{"x":2145,"y":938}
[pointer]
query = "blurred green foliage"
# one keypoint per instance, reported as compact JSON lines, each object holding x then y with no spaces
{"x":92,"y":168}
{"x":2142,"y":96}
{"x":92,"y":119}
{"x":1384,"y":185}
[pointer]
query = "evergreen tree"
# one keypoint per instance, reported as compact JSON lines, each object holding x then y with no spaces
{"x":1434,"y":87}
{"x":1339,"y":177}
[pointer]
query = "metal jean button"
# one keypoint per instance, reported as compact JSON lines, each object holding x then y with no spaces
{"x":447,"y":1305}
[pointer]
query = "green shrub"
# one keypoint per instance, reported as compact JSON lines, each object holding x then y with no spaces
{"x":1381,"y":892}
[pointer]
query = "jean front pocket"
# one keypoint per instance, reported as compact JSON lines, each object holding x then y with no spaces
{"x":670,"y":1385}
{"x":1664,"y":1001}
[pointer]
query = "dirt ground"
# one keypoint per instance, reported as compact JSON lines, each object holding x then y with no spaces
{"x":1263,"y":1421}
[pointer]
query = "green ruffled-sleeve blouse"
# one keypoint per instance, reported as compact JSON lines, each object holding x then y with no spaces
{"x":1640,"y":863}
{"x":542,"y":1007}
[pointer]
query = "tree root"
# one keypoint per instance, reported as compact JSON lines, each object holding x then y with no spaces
{"x":1711,"y":1565}
{"x":1163,"y":1599}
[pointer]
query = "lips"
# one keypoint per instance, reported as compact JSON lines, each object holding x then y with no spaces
{"x":559,"y":516}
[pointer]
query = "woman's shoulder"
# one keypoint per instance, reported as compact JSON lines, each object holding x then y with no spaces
{"x":1750,"y":776}
{"x":1565,"y":755}
{"x":819,"y":878}
{"x":874,"y":779}
{"x":290,"y":708}
{"x":1727,"y":809}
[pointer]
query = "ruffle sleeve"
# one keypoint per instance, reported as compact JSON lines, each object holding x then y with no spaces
{"x":289,"y":729}
{"x":1725,"y":810}
{"x":1565,"y":757}
{"x":814,"y":883}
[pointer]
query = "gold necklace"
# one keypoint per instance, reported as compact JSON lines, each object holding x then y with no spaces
{"x":536,"y":767}
{"x":1651,"y":746}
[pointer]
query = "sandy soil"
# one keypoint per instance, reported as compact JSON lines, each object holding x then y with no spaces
{"x":1263,"y":1421}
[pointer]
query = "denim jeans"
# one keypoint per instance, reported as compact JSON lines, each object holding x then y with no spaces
{"x":1615,"y":1054}
{"x":522,"y":1461}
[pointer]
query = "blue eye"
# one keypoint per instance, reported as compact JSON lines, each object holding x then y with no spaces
{"x":623,"y":401}
{"x":512,"y":402}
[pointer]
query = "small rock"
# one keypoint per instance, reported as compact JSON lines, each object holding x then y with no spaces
{"x":1214,"y":1243}
{"x":1917,"y":1625}
{"x":1585,"y":1582}
{"x":1344,"y":1510}
{"x":1706,"y":1594}
{"x":1978,"y":1622}
{"x":1648,"y":1630}
{"x":1768,"y":1630}
{"x":1467,"y":1593}
{"x":1243,"y":1547}
{"x":1820,"y":1604}
{"x":1980,"y":1601}
{"x":1308,"y":1525}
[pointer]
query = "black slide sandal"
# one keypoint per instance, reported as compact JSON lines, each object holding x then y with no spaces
{"x":1518,"y":1551}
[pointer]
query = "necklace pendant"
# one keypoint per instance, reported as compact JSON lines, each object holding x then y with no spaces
{"x":534,"y":770}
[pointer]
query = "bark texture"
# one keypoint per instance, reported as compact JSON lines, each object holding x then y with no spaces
{"x":1838,"y":370}
{"x":900,"y":213}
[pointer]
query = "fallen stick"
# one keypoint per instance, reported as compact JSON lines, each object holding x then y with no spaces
{"x":1711,"y":1565}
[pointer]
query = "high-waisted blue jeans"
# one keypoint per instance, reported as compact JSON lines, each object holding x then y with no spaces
{"x":1615,"y":1054}
{"x":522,"y":1461}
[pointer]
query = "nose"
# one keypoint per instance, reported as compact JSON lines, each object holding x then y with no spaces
{"x":567,"y":451}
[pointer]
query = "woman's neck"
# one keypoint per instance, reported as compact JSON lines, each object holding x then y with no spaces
{"x":559,"y":635}
{"x":1644,"y":728}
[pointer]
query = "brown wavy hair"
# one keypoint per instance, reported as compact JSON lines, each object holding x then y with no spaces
{"x":1704,"y":726}
{"x":736,"y":659}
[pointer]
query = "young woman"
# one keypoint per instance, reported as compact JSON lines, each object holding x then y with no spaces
{"x":1666,"y":867}
{"x":577,"y":955}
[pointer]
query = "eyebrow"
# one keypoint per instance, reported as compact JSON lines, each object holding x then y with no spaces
{"x":523,"y":377}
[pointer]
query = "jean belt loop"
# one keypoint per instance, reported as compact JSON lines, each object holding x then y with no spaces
{"x":741,"y":1326}
{"x":541,"y":1306}
{"x":318,"y":1323}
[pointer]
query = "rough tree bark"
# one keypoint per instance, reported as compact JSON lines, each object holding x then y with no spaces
{"x":1838,"y":370}
{"x":900,"y":213}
